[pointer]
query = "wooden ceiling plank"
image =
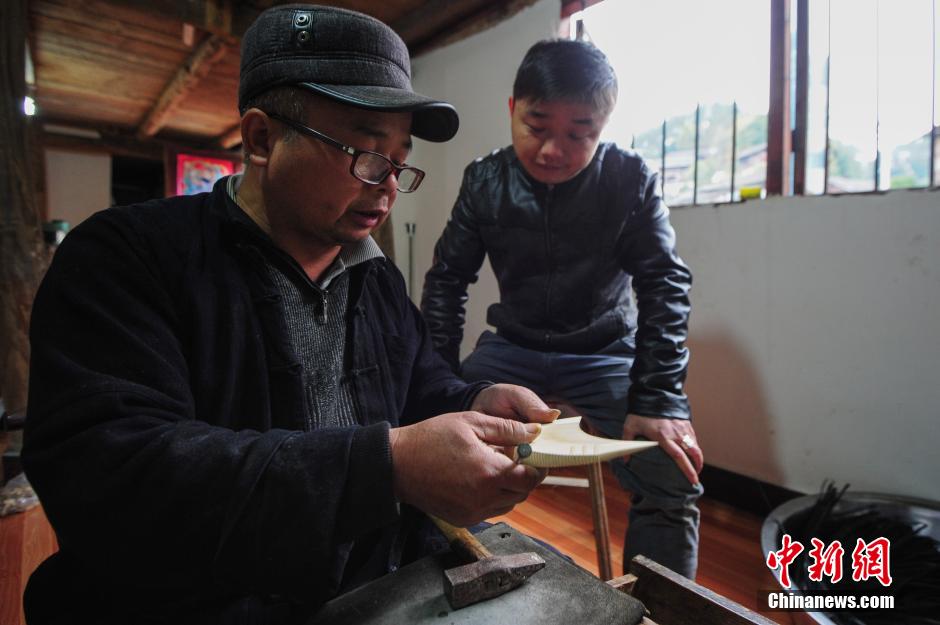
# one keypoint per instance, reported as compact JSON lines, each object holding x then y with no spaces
{"x":102,"y":18}
{"x":209,"y":52}
{"x":209,"y":120}
{"x":219,"y":108}
{"x":67,"y":95}
{"x":215,"y":16}
{"x":217,"y":83}
{"x":109,"y":12}
{"x":123,"y":61}
{"x":95,"y":37}
{"x":84,"y":80}
{"x":105,"y":57}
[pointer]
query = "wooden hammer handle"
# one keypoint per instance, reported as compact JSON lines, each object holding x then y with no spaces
{"x":460,"y":537}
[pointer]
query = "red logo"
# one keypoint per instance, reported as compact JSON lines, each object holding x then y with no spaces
{"x":826,"y":562}
{"x":782,"y":559}
{"x":869,"y":560}
{"x":872,"y":560}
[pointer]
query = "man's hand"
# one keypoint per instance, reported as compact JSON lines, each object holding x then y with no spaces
{"x":513,"y":402}
{"x":447,"y":466}
{"x":671,"y":435}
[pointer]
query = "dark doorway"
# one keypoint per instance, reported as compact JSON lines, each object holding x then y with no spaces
{"x":135,"y":180}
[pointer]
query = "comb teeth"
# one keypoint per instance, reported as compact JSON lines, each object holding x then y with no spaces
{"x":563,"y":444}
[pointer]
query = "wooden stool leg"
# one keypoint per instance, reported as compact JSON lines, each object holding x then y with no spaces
{"x":599,"y":510}
{"x":598,"y":502}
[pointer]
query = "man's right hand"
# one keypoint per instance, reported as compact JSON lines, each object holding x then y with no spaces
{"x":447,"y":466}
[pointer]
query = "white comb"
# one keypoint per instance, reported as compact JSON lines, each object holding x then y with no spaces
{"x":563,"y":443}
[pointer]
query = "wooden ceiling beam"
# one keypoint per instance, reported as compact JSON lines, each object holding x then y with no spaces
{"x":187,"y":78}
{"x":133,"y":48}
{"x":233,"y":17}
{"x":115,"y":145}
{"x":215,"y":16}
{"x":76,"y":136}
{"x":230,"y":138}
{"x":84,"y":136}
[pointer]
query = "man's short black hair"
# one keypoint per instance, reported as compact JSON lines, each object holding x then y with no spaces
{"x":286,"y":101}
{"x":566,"y":70}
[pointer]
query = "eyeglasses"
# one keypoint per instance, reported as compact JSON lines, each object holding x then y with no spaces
{"x":369,"y":167}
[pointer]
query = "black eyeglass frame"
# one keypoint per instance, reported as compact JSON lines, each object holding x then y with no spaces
{"x":356,"y":153}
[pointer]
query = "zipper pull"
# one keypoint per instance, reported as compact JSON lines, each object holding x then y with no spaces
{"x":321,"y":313}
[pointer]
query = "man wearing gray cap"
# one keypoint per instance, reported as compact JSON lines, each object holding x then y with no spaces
{"x":235,"y":412}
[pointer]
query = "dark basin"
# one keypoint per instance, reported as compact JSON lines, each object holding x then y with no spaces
{"x":909,"y":510}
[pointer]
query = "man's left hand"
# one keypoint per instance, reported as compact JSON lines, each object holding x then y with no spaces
{"x":513,"y":402}
{"x":675,"y":436}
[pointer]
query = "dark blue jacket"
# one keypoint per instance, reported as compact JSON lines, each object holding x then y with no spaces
{"x":165,"y":431}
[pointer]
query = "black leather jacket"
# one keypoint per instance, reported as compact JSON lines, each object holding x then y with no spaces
{"x":565,"y":258}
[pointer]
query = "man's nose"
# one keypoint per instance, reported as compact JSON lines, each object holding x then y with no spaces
{"x":390,"y":184}
{"x":551,"y":150}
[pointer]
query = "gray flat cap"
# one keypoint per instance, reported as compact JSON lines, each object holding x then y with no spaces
{"x":340,"y":54}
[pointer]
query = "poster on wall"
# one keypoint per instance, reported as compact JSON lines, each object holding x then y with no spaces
{"x":197,"y":174}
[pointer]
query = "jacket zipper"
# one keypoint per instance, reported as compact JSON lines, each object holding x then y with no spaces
{"x":551,"y":267}
{"x":321,"y":314}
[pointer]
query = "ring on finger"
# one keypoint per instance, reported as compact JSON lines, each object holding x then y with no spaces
{"x":687,"y":442}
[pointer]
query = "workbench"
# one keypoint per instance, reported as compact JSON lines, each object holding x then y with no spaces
{"x":562,"y":593}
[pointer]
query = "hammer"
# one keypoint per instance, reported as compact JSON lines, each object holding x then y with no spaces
{"x":487,"y":576}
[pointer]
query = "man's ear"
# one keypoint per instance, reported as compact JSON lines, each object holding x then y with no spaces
{"x":257,"y":138}
{"x":512,"y":105}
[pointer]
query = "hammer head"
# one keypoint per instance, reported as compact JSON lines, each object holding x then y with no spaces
{"x":489,"y":577}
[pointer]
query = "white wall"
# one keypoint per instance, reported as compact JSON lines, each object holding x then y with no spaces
{"x":77,"y":184}
{"x":475,"y":75}
{"x":814,"y":338}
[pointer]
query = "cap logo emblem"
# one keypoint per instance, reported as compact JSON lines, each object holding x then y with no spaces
{"x":302,"y":25}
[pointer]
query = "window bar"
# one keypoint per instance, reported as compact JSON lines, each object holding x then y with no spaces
{"x":802,"y":97}
{"x":734,"y":143}
{"x":828,"y":95}
{"x":662,"y":178}
{"x":933,"y":100}
{"x":698,"y":109}
{"x":778,"y":114}
{"x":877,"y":97}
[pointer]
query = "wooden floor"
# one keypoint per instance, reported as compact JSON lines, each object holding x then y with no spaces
{"x":730,"y":559}
{"x":26,"y":539}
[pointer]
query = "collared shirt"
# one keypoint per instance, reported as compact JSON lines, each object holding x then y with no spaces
{"x":315,"y":313}
{"x":349,"y":255}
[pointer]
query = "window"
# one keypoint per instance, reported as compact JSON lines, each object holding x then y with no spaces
{"x":880,"y":87}
{"x":696,"y":95}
